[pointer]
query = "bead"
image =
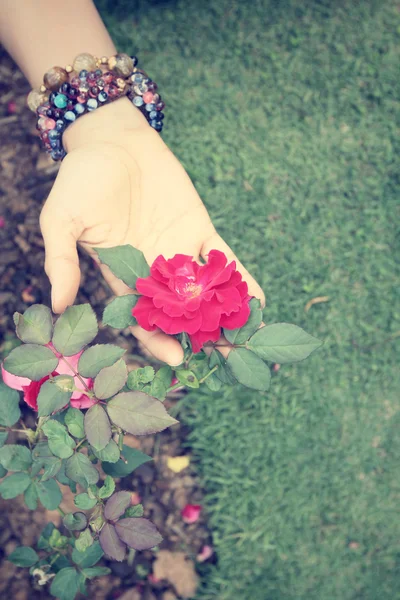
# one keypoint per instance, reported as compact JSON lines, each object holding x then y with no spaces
{"x":64,"y":88}
{"x":121,"y":64}
{"x":160,"y":105}
{"x":79,"y":108}
{"x":156,"y":98}
{"x":98,"y":72}
{"x":82,"y":77}
{"x":94,"y":91}
{"x":91,"y":78}
{"x":150,"y":107}
{"x":148,"y":97}
{"x":104,"y":60}
{"x":157,"y":125}
{"x":100,"y":83}
{"x":92,"y":104}
{"x":35,"y":99}
{"x":112,"y":90}
{"x":137,"y":78}
{"x":54,"y":78}
{"x":41,"y":123}
{"x":60,"y":101}
{"x":50,"y":113}
{"x":69,"y":68}
{"x":82,"y":98}
{"x":44,"y":136}
{"x":75,"y":82}
{"x":84,"y":87}
{"x":70,"y":116}
{"x":152,"y":86}
{"x":108,"y":77}
{"x":134,"y":60}
{"x":160,"y":115}
{"x":153,"y":115}
{"x":43,"y":89}
{"x":102,"y":97}
{"x":84,"y":62}
{"x":120,"y":83}
{"x":58,"y":154}
{"x":60,"y":125}
{"x":73,"y":93}
{"x":49,"y":123}
{"x":141,"y":89}
{"x":42,"y":110}
{"x":138,"y":101}
{"x":54,"y":134}
{"x":57,"y":113}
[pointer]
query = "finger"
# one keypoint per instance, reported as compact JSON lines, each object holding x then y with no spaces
{"x":162,"y":346}
{"x":215,"y":242}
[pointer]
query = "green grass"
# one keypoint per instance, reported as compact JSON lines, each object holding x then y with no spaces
{"x":286,"y":116}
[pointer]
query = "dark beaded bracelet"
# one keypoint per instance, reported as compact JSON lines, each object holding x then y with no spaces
{"x":69,"y":93}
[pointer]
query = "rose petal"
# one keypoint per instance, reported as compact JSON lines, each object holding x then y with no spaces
{"x":14,"y":381}
{"x":191,"y":513}
{"x":200,"y":338}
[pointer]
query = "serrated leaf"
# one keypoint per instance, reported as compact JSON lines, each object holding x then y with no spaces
{"x":283,"y":343}
{"x":187,"y":378}
{"x":241,"y":335}
{"x":75,"y":328}
{"x":134,"y":511}
{"x":84,"y":541}
{"x":3,"y":438}
{"x":138,"y":413}
{"x":63,"y":479}
{"x":138,"y":533}
{"x":60,"y":443}
{"x":9,"y":406}
{"x":117,"y":505}
{"x":76,"y":521}
{"x":118,"y":313}
{"x":46,"y":533}
{"x":110,"y":380}
{"x":35,"y":325}
{"x":32,"y":361}
{"x":74,"y":421}
{"x":89,"y":557}
{"x":213,"y":383}
{"x":65,"y":584}
{"x":49,"y":493}
{"x":15,"y":457}
{"x":109,"y":454}
{"x":249,"y":369}
{"x":97,"y":357}
{"x":31,"y":496}
{"x":223,"y":373}
{"x":84,"y":502}
{"x":23,"y":556}
{"x":14,"y":485}
{"x":111,"y":544}
{"x":161,"y":382}
{"x":52,"y":397}
{"x":108,"y":488}
{"x":51,"y":468}
{"x":97,"y":427}
{"x":134,"y":458}
{"x":126,"y":262}
{"x":3,"y":471}
{"x":80,"y":469}
{"x":139,"y":377}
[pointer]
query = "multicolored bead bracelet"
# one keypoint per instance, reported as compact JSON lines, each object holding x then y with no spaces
{"x":90,"y":82}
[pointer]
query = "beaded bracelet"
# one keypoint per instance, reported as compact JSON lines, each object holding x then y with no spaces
{"x":88,"y":83}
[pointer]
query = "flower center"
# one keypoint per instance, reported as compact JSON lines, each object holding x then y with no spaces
{"x":193,"y":289}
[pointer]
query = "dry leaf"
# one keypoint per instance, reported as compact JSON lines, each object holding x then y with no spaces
{"x":316,"y":300}
{"x":178,"y":463}
{"x":180,"y":572}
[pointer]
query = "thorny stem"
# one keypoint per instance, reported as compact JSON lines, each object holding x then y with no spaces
{"x":25,"y":431}
{"x":89,"y":393}
{"x":202,"y":380}
{"x":80,"y":443}
{"x":60,"y":510}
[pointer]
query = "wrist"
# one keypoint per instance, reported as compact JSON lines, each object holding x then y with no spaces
{"x":104,"y":124}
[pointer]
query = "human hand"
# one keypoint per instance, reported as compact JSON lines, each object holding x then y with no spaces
{"x":120,"y":184}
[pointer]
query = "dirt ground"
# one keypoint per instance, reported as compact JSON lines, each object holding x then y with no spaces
{"x":26,"y":177}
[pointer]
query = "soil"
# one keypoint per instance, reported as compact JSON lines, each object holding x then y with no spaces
{"x":26,"y":178}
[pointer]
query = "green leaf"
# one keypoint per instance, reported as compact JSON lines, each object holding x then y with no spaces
{"x":139,"y":377}
{"x":3,"y":437}
{"x":75,"y":521}
{"x":23,"y":556}
{"x":96,"y":572}
{"x":74,"y":421}
{"x":249,"y":369}
{"x":84,"y":541}
{"x":187,"y":378}
{"x":43,"y":543}
{"x":15,"y":457}
{"x":54,"y":394}
{"x":213,"y":383}
{"x":31,"y":496}
{"x":134,"y":511}
{"x":35,"y":325}
{"x":283,"y":343}
{"x":80,"y":469}
{"x":97,"y":357}
{"x":60,"y":443}
{"x":117,"y":505}
{"x":63,"y":479}
{"x":134,"y":458}
{"x":97,"y":427}
{"x":51,"y":468}
{"x":110,"y":453}
{"x":31,"y":361}
{"x":3,"y":471}
{"x":65,"y":584}
{"x":49,"y":493}
{"x":126,"y":262}
{"x":118,"y":313}
{"x":138,"y":533}
{"x":14,"y":485}
{"x":9,"y":406}
{"x":75,"y":328}
{"x":88,"y":558}
{"x":84,"y":502}
{"x":161,"y":383}
{"x":110,"y":380}
{"x":108,"y":487}
{"x":139,"y":414}
{"x":241,"y":335}
{"x":222,"y":373}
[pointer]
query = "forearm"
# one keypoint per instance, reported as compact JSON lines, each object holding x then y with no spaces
{"x":40,"y":34}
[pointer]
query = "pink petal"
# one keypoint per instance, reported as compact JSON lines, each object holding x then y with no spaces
{"x":200,"y":338}
{"x":82,"y":401}
{"x":191,"y":513}
{"x":205,"y":554}
{"x":14,"y":381}
{"x":237,"y":319}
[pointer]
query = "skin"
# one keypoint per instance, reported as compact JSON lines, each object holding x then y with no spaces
{"x":119,"y":183}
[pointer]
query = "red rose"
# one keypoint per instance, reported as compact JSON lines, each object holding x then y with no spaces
{"x":182,"y":296}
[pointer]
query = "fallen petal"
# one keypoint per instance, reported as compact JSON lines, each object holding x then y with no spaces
{"x":191,"y":513}
{"x":178,"y":463}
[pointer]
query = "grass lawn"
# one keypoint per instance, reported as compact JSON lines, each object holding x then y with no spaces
{"x":286,"y":116}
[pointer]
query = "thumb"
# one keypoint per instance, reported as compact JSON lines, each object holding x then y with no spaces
{"x":62,"y":261}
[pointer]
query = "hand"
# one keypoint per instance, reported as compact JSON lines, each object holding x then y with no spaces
{"x":120,"y":184}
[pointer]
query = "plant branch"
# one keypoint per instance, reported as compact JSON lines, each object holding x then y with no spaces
{"x":89,"y":393}
{"x":202,"y":380}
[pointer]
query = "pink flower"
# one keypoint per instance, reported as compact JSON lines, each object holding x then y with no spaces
{"x":31,"y":388}
{"x":191,"y":513}
{"x":135,"y":499}
{"x":182,"y":296}
{"x":205,"y":553}
{"x":2,"y":222}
